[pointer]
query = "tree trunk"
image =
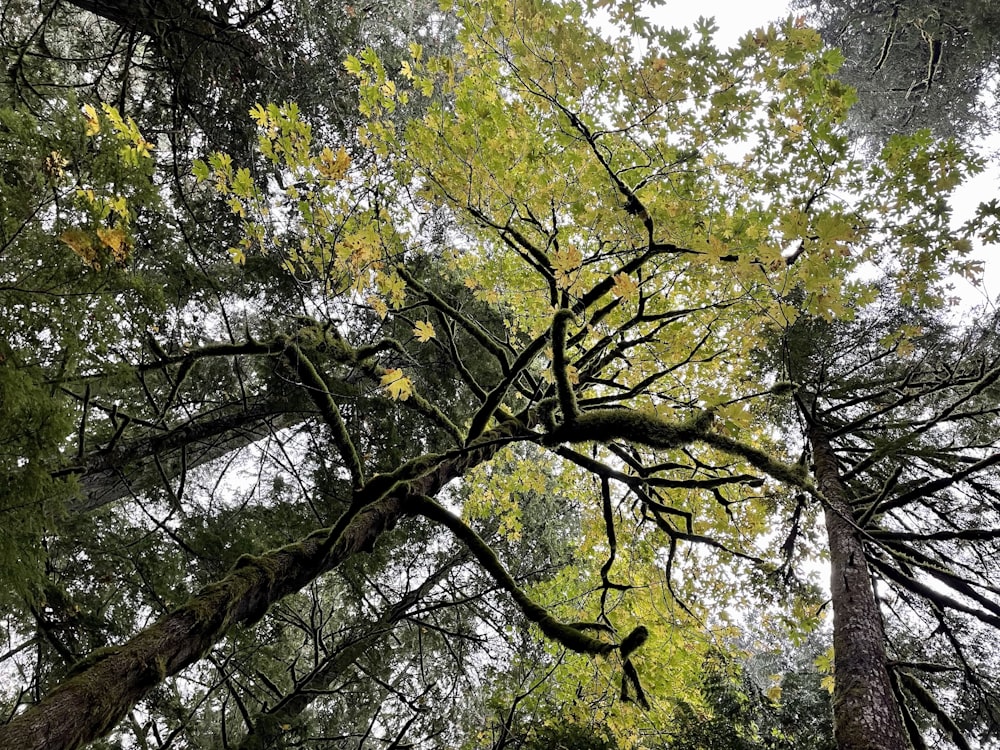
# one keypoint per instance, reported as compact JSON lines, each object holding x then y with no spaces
{"x":866,"y":716}
{"x":108,"y":476}
{"x":267,"y":726}
{"x":105,"y":686}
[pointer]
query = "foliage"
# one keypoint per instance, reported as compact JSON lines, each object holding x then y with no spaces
{"x":568,"y":736}
{"x":909,"y":402}
{"x":915,"y":64}
{"x":506,"y":344}
{"x":742,"y":715}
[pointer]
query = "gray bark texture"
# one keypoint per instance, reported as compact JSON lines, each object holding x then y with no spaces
{"x":107,"y":476}
{"x":866,"y":716}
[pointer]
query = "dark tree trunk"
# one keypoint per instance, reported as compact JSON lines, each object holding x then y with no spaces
{"x":217,"y":69}
{"x":108,"y":683}
{"x":866,"y":716}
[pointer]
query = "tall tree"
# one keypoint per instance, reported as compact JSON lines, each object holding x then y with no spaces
{"x":548,"y":284}
{"x":900,"y":414}
{"x":915,"y":63}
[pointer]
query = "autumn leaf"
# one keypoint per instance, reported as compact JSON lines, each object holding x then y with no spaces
{"x":80,"y":243}
{"x":424,"y":331}
{"x":565,"y":263}
{"x":238,"y":256}
{"x":378,"y":305}
{"x":397,"y":384}
{"x":92,"y":122}
{"x":115,"y":240}
{"x":259,"y":115}
{"x":333,"y":166}
{"x":624,"y":286}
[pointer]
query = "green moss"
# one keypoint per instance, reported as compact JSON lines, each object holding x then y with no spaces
{"x":633,"y":641}
{"x":605,"y":425}
{"x":560,"y":371}
{"x":94,"y":657}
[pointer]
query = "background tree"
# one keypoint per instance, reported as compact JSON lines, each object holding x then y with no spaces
{"x":900,"y":410}
{"x":915,"y":64}
{"x":739,"y":713}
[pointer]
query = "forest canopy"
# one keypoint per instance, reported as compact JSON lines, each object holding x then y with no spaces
{"x":505,"y":380}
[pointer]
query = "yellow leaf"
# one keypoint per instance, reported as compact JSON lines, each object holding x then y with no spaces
{"x":565,"y":262}
{"x":259,"y":115}
{"x":423,"y":330}
{"x":624,"y":286}
{"x":393,"y":288}
{"x":238,"y":256}
{"x":55,"y":164}
{"x":115,"y":241}
{"x":332,"y":165}
{"x":92,"y":122}
{"x":397,"y":384}
{"x":378,"y":305}
{"x":81,"y":244}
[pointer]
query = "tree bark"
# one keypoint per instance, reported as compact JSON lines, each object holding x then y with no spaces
{"x":205,"y":56}
{"x":866,"y":716}
{"x":179,"y":27}
{"x":105,"y":686}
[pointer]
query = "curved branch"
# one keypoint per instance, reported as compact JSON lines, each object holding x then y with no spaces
{"x":569,"y":636}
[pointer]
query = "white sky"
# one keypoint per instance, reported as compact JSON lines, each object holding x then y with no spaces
{"x":733,"y":17}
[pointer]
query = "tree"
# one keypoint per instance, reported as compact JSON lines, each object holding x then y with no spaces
{"x":549,"y":284}
{"x":915,"y":64}
{"x":742,"y":714}
{"x":900,"y":412}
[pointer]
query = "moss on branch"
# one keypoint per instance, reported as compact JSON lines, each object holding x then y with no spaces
{"x":605,"y":425}
{"x":564,"y":388}
{"x":566,"y":635}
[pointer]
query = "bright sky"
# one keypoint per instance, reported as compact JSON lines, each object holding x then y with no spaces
{"x":733,"y":17}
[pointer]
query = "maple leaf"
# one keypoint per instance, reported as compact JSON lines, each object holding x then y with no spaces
{"x":81,"y":244}
{"x":624,"y":286}
{"x":114,"y":239}
{"x":333,"y":166}
{"x":378,"y":305}
{"x":397,"y":384}
{"x":424,"y":331}
{"x":92,"y":123}
{"x":565,"y":263}
{"x":259,"y":115}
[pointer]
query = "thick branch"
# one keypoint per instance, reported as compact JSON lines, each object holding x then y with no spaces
{"x":109,"y":682}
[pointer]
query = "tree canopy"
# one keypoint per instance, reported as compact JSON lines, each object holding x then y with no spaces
{"x":480,"y":415}
{"x":915,"y":64}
